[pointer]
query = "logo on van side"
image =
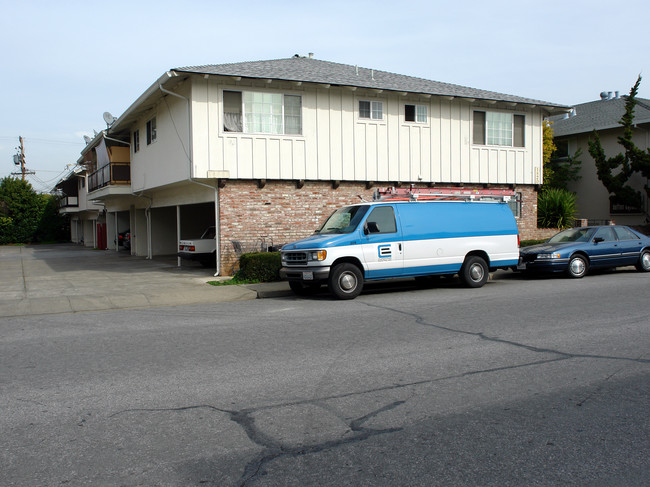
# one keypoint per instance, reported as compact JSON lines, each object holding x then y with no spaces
{"x":385,"y":252}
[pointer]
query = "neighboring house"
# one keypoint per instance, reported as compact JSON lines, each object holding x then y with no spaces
{"x":573,"y":131}
{"x":86,"y":217}
{"x":265,"y":150}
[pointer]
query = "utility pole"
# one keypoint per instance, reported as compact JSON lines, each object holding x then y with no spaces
{"x":19,"y":160}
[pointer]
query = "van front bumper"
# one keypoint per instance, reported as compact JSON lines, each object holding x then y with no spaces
{"x":305,"y":274}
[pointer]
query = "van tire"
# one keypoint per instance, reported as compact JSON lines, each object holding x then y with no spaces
{"x":345,"y":281}
{"x":474,"y":272}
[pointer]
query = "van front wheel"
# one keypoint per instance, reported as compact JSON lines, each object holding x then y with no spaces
{"x":474,"y":272}
{"x":345,"y":281}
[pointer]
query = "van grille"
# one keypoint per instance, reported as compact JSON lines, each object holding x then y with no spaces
{"x":295,"y":258}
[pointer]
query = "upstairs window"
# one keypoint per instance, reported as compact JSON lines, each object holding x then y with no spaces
{"x":265,"y":113}
{"x":499,"y":128}
{"x":415,"y":113}
{"x":151,"y":131}
{"x":136,"y":141}
{"x":371,"y":110}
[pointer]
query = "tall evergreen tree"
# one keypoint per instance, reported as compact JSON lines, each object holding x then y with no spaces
{"x":615,"y":172}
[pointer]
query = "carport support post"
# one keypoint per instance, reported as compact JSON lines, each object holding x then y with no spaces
{"x":117,"y":239}
{"x":178,"y":232}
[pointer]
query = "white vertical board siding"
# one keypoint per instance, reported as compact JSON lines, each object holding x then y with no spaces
{"x":445,"y":141}
{"x":336,"y":145}
{"x":200,"y":115}
{"x":455,"y":143}
{"x":321,"y":168}
{"x":468,"y":171}
{"x":348,"y":135}
{"x":336,"y":135}
{"x":436,"y":141}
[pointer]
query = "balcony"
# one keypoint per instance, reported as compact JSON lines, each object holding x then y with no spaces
{"x":69,"y":201}
{"x":115,"y":173}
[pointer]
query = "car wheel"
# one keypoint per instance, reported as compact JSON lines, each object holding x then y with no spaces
{"x":644,"y":262}
{"x":578,"y":267}
{"x":474,"y":272}
{"x":301,"y":289}
{"x":345,"y":281}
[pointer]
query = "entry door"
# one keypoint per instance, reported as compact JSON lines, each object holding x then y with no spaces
{"x":382,"y":244}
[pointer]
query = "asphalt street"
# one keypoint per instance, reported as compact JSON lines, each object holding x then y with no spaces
{"x":522,"y":382}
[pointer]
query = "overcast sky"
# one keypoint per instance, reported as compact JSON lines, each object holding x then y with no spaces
{"x":65,"y":63}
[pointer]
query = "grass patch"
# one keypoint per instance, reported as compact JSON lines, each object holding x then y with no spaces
{"x":236,"y":280}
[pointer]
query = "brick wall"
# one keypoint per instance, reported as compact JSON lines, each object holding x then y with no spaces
{"x":280,"y":212}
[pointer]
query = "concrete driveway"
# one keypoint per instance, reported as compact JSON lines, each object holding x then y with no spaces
{"x":62,"y":278}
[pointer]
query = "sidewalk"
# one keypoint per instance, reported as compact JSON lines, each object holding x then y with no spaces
{"x":66,"y":278}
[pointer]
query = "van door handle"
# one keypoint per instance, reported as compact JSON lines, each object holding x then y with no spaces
{"x":399,"y":246}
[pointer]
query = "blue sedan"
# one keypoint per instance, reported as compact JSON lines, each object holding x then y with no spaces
{"x":576,"y":250}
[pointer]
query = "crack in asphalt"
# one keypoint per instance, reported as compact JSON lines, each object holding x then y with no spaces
{"x":273,"y":449}
{"x":420,"y":320}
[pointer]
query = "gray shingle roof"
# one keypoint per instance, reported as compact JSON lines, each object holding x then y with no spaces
{"x":325,"y":72}
{"x":599,"y":115}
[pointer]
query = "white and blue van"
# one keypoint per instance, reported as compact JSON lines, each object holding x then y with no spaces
{"x":396,"y":239}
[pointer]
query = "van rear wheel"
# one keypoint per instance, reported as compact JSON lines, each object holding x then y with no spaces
{"x":345,"y":281}
{"x":474,"y":272}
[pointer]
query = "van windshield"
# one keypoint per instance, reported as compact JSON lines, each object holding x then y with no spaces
{"x":344,"y":220}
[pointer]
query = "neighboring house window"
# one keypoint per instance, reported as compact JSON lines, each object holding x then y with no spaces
{"x":415,"y":113}
{"x":266,"y":113}
{"x":497,"y":128}
{"x":151,"y":131}
{"x":136,"y":141}
{"x":372,"y":110}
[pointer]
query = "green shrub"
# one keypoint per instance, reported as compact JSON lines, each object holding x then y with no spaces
{"x":528,"y":243}
{"x":556,"y":208}
{"x":260,"y":266}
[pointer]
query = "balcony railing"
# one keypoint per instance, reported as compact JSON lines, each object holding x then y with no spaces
{"x":113,"y":173}
{"x":68,"y":201}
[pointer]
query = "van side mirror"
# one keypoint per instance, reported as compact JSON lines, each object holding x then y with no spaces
{"x":365,"y":228}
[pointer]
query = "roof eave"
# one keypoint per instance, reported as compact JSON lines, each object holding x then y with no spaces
{"x":149,"y":92}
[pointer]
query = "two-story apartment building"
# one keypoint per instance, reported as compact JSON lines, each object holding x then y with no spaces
{"x":265,"y":150}
{"x":85,"y":215}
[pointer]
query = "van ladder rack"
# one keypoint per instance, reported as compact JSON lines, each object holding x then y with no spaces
{"x":429,"y":194}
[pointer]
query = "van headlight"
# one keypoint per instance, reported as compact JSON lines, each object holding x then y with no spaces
{"x":553,"y":255}
{"x":318,"y":255}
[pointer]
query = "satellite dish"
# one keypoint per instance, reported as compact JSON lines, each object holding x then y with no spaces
{"x":87,"y":139}
{"x":109,"y":119}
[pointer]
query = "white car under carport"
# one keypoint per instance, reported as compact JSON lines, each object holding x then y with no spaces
{"x":203,"y":249}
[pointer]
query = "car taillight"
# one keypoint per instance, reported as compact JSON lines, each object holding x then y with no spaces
{"x":517,"y":240}
{"x":180,"y":247}
{"x":191,"y":248}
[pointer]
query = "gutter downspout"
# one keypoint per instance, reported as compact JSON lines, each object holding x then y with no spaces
{"x":189,"y":178}
{"x":147,"y":214}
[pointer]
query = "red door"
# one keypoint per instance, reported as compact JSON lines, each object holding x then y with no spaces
{"x":101,"y":236}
